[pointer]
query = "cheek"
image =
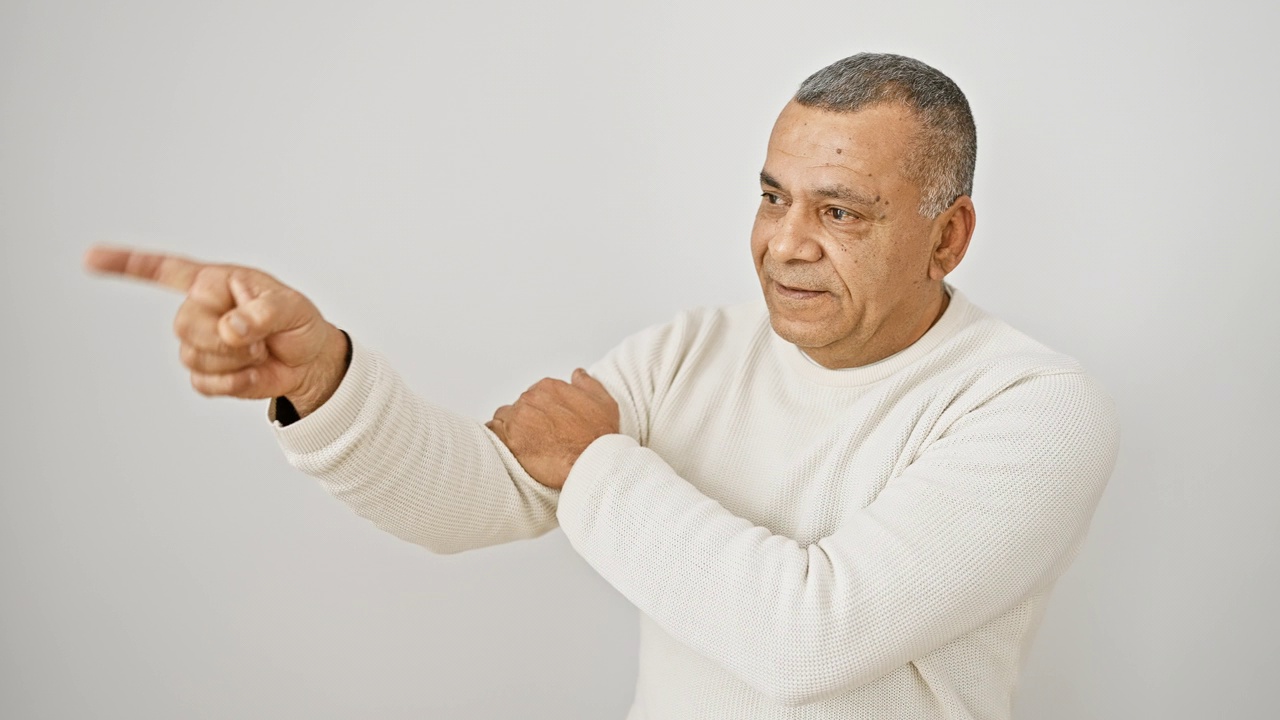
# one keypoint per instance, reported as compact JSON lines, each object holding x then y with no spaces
{"x":760,"y":232}
{"x":857,"y":261}
{"x":882,"y":269}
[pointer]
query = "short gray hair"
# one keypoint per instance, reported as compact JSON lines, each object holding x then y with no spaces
{"x":945,"y":150}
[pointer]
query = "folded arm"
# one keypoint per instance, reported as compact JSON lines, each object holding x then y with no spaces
{"x":990,"y":513}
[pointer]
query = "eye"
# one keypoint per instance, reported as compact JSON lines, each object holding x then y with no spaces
{"x":771,"y":198}
{"x":840,"y":214}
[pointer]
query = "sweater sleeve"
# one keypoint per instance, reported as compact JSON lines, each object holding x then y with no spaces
{"x":640,"y":369}
{"x":989,"y":514}
{"x":417,"y":471}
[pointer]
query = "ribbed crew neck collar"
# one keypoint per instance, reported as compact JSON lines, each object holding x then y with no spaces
{"x":953,"y":318}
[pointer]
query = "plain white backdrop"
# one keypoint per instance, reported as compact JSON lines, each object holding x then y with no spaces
{"x":489,"y":193}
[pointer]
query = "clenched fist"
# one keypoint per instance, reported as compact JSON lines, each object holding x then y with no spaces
{"x":553,"y":422}
{"x":243,"y":333}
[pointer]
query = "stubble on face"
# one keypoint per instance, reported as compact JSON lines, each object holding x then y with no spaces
{"x":839,"y":217}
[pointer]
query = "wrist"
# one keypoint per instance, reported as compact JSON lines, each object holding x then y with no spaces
{"x":324,"y":375}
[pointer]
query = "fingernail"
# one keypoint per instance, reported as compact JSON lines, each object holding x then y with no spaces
{"x":238,"y":324}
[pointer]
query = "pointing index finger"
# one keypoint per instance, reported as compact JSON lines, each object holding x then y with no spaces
{"x":168,"y":270}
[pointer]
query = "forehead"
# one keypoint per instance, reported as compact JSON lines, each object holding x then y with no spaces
{"x":811,"y":146}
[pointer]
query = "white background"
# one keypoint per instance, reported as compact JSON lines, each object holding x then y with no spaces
{"x":493,"y":192}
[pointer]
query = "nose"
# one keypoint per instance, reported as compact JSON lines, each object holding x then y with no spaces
{"x":793,"y":238}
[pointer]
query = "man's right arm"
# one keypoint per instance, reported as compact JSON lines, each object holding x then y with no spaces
{"x":416,"y":470}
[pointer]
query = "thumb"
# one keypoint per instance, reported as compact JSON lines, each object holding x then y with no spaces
{"x":243,"y":288}
{"x":258,"y":316}
{"x":581,"y":379}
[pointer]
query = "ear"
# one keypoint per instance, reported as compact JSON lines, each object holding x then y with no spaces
{"x":951,"y":231}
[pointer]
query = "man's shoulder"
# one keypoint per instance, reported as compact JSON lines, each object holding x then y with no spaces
{"x":989,"y":355}
{"x":740,"y":319}
{"x":748,"y":312}
{"x":983,"y":337}
{"x":700,"y":325}
{"x":694,"y":331}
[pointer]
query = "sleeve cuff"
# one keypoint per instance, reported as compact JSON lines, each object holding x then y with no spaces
{"x":339,"y":413}
{"x":593,"y":466}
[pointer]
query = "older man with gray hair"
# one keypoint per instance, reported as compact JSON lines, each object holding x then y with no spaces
{"x":850,"y":500}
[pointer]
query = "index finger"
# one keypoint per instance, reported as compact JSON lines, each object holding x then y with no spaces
{"x":169,"y":270}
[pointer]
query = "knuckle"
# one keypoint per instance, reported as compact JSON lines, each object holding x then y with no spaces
{"x":195,"y":328}
{"x":285,"y":295}
{"x":209,"y":274}
{"x":242,"y":383}
{"x":273,"y":301}
{"x":201,"y":283}
{"x":277,"y":303}
{"x":188,"y":355}
{"x":543,"y":387}
{"x":250,"y":314}
{"x":200,"y":384}
{"x":181,"y":323}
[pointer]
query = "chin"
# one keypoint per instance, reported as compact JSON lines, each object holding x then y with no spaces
{"x":805,"y":333}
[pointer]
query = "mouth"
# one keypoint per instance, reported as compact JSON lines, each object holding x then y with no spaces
{"x":796,"y":293}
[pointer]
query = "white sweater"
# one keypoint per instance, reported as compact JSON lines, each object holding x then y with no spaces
{"x":875,"y":542}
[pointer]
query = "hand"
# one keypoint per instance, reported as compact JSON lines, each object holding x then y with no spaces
{"x":553,"y":422}
{"x":243,"y":333}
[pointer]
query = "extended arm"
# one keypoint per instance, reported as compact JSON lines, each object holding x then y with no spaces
{"x":990,"y":513}
{"x":417,"y":471}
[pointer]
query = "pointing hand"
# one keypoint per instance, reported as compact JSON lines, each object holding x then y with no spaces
{"x":243,"y":333}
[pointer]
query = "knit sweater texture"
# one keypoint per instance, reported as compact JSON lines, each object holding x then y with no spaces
{"x":802,"y":543}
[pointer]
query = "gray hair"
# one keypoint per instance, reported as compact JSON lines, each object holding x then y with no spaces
{"x":945,"y":148}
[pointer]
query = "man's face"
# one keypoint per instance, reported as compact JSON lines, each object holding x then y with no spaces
{"x":841,"y":250}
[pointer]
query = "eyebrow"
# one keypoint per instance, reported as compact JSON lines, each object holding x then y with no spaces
{"x":835,"y":192}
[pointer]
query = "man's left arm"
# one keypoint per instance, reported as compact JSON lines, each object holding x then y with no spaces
{"x":992,"y":512}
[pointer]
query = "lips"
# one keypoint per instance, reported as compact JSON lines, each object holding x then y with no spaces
{"x":798,"y":289}
{"x":795,"y":292}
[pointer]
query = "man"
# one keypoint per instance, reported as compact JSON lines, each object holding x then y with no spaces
{"x":849,"y":501}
